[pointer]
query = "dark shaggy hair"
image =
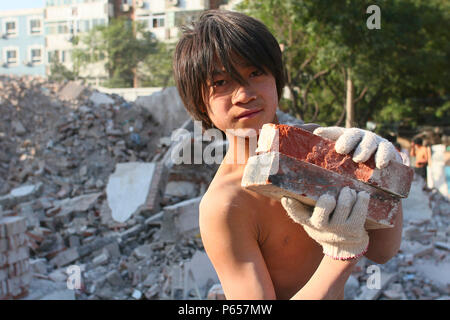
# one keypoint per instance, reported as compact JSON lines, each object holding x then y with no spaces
{"x":224,"y":38}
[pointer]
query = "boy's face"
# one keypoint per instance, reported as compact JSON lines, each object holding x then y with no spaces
{"x":246,"y":106}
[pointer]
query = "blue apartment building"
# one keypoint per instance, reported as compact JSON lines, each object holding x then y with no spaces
{"x":22,"y":42}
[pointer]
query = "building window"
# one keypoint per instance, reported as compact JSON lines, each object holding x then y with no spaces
{"x":11,"y":28}
{"x":36,"y":55}
{"x":12,"y":56}
{"x":63,"y":28}
{"x":158,"y":22}
{"x":35,"y":26}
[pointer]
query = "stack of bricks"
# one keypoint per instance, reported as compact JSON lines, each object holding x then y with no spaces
{"x":296,"y":163}
{"x":15,"y":273}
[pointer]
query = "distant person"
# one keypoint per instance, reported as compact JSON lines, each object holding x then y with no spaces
{"x":422,"y":155}
{"x":403,"y":154}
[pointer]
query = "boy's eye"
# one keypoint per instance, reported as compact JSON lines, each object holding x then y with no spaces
{"x":256,"y":73}
{"x":219,"y":83}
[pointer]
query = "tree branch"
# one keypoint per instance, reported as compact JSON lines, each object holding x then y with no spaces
{"x":361,"y":95}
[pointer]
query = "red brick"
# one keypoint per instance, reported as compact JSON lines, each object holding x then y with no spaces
{"x":276,"y":175}
{"x":303,"y":145}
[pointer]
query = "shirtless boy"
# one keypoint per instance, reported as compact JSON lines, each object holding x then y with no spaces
{"x":229,"y":74}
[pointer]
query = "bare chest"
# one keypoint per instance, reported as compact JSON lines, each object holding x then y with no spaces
{"x":290,"y":254}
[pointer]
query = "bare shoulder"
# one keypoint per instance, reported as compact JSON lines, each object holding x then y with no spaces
{"x":225,"y":199}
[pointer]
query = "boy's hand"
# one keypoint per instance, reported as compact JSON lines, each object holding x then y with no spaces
{"x":363,"y":142}
{"x":340,"y":232}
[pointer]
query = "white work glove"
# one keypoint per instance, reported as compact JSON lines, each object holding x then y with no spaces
{"x":363,"y":142}
{"x":340,"y":232}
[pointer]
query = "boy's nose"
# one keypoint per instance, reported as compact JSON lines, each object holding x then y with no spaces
{"x":243,"y":94}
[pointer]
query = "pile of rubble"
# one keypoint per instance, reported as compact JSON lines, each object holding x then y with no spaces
{"x":63,"y":148}
{"x":420,"y":269}
{"x":69,"y":155}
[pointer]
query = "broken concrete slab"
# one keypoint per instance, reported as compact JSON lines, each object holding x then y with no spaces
{"x":276,"y":175}
{"x":181,"y":189}
{"x":12,"y":225}
{"x":157,"y":187}
{"x":18,"y":127}
{"x":99,"y":98}
{"x":180,"y":220}
{"x":416,"y":249}
{"x":216,"y":293}
{"x":128,"y":188}
{"x":71,"y":90}
{"x":166,"y":108}
{"x":143,"y":252}
{"x":73,"y":205}
{"x":303,"y":145}
{"x":199,"y":272}
{"x":100,"y":259}
{"x":417,"y":205}
{"x":21,"y":194}
{"x":374,"y":293}
{"x":65,"y":257}
{"x":60,"y":295}
{"x":437,"y":273}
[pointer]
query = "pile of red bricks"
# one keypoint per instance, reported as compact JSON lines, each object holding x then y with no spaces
{"x":15,"y":274}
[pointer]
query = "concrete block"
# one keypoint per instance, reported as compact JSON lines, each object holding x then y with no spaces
{"x":3,"y":289}
{"x":14,"y":286}
{"x":216,"y":293}
{"x":374,"y":294}
{"x":114,"y":278}
{"x":71,"y":90}
{"x":198,"y":272}
{"x":18,"y":268}
{"x":65,"y":257}
{"x":3,"y":259}
{"x":16,"y":240}
{"x":99,"y":98}
{"x":3,"y":273}
{"x":12,"y":225}
{"x":276,"y":175}
{"x":70,"y":206}
{"x":100,"y":259}
{"x":17,"y":255}
{"x":21,"y":194}
{"x":303,"y":145}
{"x":180,"y":219}
{"x":166,"y":108}
{"x":3,"y":245}
{"x":129,"y":187}
{"x":157,"y":188}
{"x":39,"y":265}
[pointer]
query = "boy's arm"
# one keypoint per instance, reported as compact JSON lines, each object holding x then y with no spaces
{"x":385,"y":243}
{"x":232,"y":246}
{"x":328,"y":282}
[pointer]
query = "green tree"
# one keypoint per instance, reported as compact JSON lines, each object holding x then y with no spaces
{"x":303,"y":49}
{"x":332,"y":59}
{"x":59,"y":72}
{"x":156,"y":69}
{"x":122,"y":44}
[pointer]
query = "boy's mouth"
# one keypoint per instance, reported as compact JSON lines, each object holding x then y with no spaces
{"x":248,"y":114}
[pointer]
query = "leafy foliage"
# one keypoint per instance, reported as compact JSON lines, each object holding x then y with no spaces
{"x":400,"y":72}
